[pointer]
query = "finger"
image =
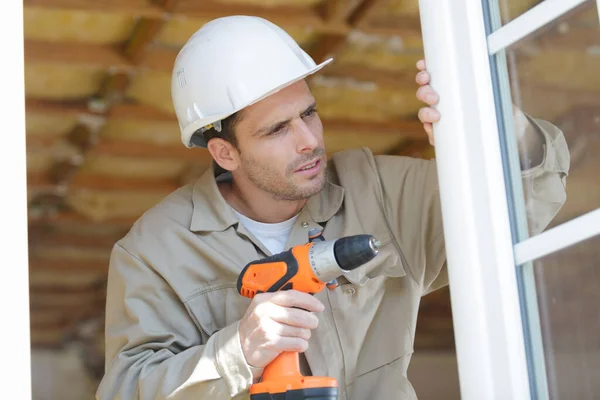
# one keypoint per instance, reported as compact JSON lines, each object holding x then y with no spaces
{"x":292,"y":331}
{"x":422,"y":78}
{"x":429,"y":129}
{"x":421,"y":65}
{"x":428,"y":114}
{"x":291,"y":344}
{"x":294,"y":317}
{"x":427,"y":95}
{"x":294,"y":298}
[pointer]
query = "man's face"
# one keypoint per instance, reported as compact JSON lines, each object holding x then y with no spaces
{"x":281,"y":145}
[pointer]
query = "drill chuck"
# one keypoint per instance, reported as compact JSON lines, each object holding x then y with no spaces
{"x":353,"y":251}
{"x":330,"y":259}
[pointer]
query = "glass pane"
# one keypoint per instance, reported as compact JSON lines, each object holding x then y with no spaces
{"x":552,"y":76}
{"x":568,"y":296}
{"x":511,"y":9}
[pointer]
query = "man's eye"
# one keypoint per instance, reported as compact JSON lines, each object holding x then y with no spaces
{"x":310,"y":112}
{"x":278,"y":129}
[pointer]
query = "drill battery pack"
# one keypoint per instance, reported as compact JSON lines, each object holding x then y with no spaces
{"x":327,"y":393}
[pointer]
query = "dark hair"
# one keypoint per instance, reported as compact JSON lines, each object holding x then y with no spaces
{"x":227,"y":130}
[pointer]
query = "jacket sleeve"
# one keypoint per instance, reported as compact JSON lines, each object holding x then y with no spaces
{"x":154,"y":349}
{"x":544,"y":185}
{"x":413,"y":206}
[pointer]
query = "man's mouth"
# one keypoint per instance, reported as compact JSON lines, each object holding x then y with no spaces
{"x":308,"y":166}
{"x":313,"y":166}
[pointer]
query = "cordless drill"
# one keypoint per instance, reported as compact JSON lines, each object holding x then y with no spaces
{"x":307,"y":268}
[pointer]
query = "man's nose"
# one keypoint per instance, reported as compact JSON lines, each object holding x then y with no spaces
{"x":305,"y":138}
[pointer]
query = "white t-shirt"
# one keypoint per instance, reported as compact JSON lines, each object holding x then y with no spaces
{"x":273,"y":236}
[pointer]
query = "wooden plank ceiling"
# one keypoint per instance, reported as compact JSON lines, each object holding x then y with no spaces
{"x":103,"y":145}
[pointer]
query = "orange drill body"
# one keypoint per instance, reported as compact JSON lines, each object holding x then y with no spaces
{"x":307,"y":268}
{"x":281,"y":271}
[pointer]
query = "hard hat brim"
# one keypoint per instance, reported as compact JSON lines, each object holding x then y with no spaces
{"x":199,"y":141}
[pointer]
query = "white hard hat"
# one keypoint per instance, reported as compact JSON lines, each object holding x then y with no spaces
{"x":229,"y":64}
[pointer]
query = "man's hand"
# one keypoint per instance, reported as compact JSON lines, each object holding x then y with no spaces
{"x":427,"y":115}
{"x":272,"y":325}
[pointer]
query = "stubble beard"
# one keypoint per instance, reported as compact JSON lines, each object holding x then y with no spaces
{"x":283,"y":187}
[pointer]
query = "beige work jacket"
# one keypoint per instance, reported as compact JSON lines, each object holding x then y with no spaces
{"x":172,"y":307}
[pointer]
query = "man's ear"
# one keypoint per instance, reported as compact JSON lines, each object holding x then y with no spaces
{"x":224,"y":154}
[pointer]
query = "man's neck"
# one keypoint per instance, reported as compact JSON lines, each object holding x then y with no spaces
{"x":258,"y":205}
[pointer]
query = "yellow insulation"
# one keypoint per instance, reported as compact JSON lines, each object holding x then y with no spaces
{"x":76,"y":26}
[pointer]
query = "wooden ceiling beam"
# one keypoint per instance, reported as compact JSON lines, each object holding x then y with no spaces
{"x":82,"y":137}
{"x":162,"y":59}
{"x":85,"y":180}
{"x":402,"y":128}
{"x":46,"y":338}
{"x":79,"y":54}
{"x":285,"y":16}
{"x":134,"y":8}
{"x":73,"y":109}
{"x":48,"y":318}
{"x":130,"y":111}
{"x":146,"y":30}
{"x":206,"y":9}
{"x":327,"y":46}
{"x":85,"y":134}
{"x":388,"y":25}
{"x":62,"y":170}
{"x":40,"y":181}
{"x":385,"y":79}
{"x":405,"y":129}
{"x":124,"y":148}
{"x":71,"y":278}
{"x":70,"y":217}
{"x":99,"y":287}
{"x":59,"y":239}
{"x":158,"y":59}
{"x":111,"y":91}
{"x":336,"y":12}
{"x":361,"y":13}
{"x":65,"y":299}
{"x":66,"y":171}
{"x":66,"y":265}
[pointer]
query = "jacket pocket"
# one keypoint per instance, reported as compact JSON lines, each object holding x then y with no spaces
{"x":215,"y":307}
{"x":373,"y":322}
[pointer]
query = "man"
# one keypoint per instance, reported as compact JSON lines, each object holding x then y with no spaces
{"x":176,"y":327}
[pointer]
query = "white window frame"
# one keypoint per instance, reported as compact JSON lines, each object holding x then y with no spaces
{"x":489,"y":338}
{"x":572,"y":232}
{"x":14,"y":293}
{"x":529,"y":22}
{"x":483,"y":265}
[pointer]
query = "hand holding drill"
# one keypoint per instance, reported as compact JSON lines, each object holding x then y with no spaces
{"x":277,"y":322}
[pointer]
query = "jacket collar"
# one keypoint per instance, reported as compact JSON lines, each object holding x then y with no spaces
{"x":211,"y":213}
